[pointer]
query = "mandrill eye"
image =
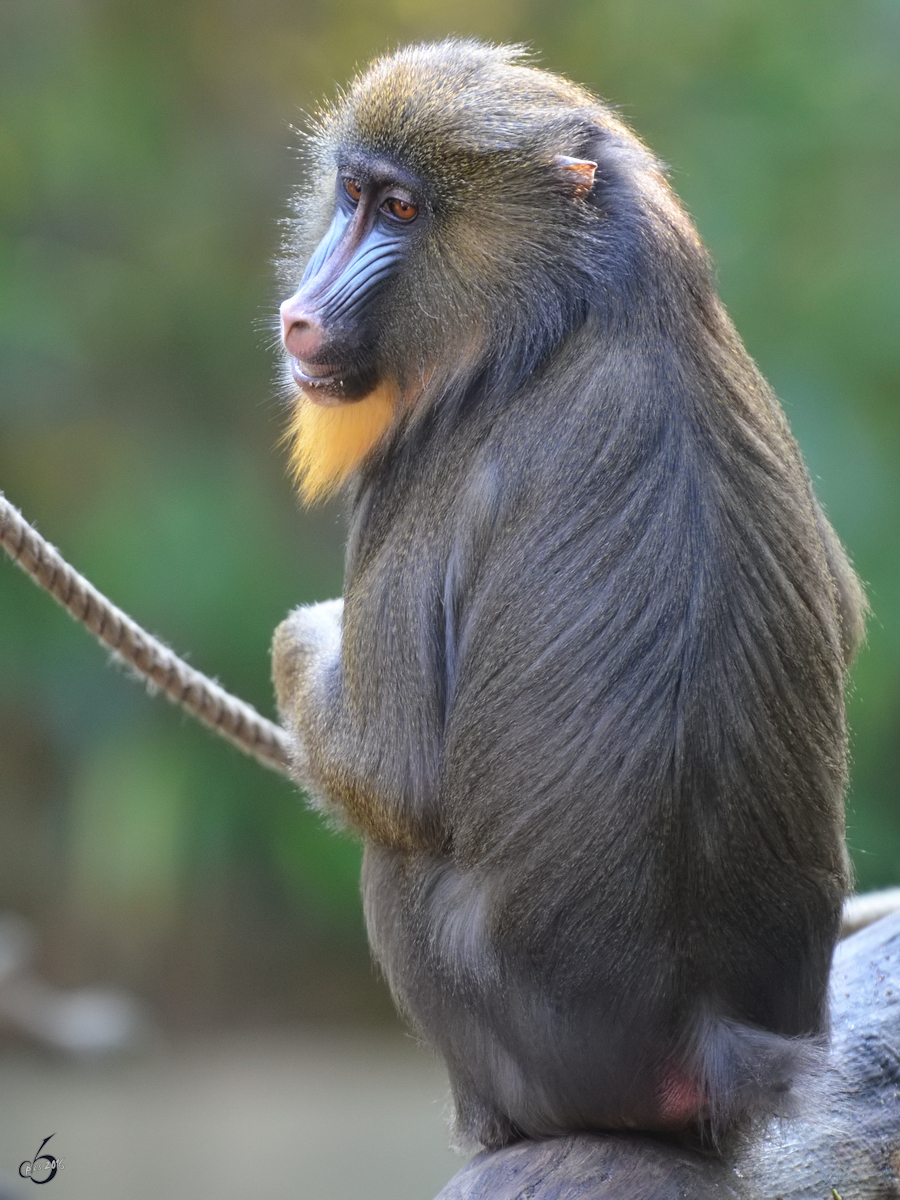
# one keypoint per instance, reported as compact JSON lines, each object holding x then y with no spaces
{"x":400,"y":209}
{"x":353,"y":190}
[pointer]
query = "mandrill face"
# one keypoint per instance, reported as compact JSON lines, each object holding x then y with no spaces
{"x":426,"y":242}
{"x":327,"y":325}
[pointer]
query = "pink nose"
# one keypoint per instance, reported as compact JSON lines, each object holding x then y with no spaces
{"x":302,"y":333}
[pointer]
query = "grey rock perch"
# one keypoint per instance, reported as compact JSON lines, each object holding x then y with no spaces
{"x":847,"y":1146}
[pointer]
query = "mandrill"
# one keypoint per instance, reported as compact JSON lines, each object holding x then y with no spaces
{"x":583,"y":698}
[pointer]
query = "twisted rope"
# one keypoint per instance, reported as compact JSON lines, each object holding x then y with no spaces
{"x":235,"y":720}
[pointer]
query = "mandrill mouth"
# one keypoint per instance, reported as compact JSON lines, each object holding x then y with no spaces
{"x":322,"y":382}
{"x":329,"y":383}
{"x":306,"y":372}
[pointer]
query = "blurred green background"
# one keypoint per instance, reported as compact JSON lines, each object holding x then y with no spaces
{"x":145,"y":162}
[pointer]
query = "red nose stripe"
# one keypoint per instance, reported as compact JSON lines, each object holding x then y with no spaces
{"x":301,"y":332}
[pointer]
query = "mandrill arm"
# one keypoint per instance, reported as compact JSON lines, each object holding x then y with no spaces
{"x":359,"y":755}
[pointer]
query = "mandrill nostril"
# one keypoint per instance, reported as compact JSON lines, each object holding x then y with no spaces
{"x":304,"y":339}
{"x":302,"y":334}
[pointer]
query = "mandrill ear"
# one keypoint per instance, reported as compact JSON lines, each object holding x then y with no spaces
{"x":576,"y":173}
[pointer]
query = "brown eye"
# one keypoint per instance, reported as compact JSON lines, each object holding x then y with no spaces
{"x":401,"y":210}
{"x":353,"y":190}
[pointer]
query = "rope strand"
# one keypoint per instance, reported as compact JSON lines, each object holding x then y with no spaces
{"x":163,"y":670}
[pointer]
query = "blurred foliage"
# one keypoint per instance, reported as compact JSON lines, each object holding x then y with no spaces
{"x":145,"y":160}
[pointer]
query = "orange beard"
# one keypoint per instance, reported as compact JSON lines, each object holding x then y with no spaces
{"x":328,"y":443}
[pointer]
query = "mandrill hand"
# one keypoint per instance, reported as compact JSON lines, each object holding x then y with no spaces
{"x":304,"y":646}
